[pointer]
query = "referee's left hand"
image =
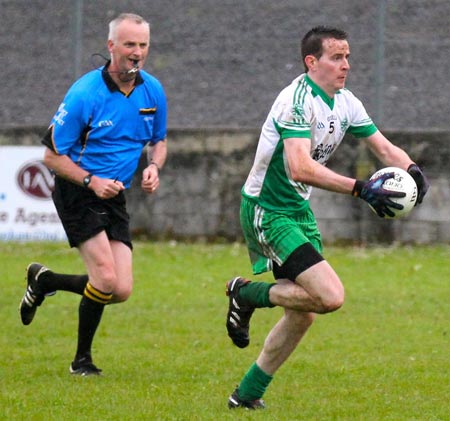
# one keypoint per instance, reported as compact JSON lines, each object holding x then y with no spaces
{"x":150,"y":179}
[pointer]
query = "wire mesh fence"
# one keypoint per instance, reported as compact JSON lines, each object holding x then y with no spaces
{"x":222,"y":62}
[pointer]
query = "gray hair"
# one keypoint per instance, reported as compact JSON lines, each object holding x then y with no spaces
{"x":124,"y":16}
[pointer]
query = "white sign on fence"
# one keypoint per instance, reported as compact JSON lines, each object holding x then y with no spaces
{"x":27,"y":212}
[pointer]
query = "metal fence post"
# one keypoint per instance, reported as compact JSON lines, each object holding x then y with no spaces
{"x":77,"y":36}
{"x":380,"y":63}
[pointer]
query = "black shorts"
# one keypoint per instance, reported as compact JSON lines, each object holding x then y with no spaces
{"x":85,"y":215}
{"x":301,"y":259}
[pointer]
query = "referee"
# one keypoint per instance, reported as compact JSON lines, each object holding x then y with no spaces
{"x":94,"y":144}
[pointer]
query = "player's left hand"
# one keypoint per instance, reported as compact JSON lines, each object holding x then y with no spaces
{"x":421,"y":180}
{"x":150,"y":179}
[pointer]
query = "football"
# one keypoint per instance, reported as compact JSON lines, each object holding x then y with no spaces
{"x":402,"y":182}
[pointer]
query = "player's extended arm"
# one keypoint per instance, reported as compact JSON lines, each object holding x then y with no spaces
{"x":305,"y":170}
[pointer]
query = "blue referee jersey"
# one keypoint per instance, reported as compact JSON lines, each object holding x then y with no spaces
{"x":103,"y":130}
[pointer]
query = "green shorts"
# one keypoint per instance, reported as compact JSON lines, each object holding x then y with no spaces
{"x":273,"y":236}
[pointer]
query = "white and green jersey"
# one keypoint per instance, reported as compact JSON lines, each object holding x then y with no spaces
{"x":301,"y":110}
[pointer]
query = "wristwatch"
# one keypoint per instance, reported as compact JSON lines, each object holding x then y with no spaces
{"x":87,"y":180}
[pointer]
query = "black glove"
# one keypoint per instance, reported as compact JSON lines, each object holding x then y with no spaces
{"x":375,"y":195}
{"x":421,"y":180}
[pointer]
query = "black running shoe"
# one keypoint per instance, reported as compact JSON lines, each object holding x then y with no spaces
{"x":238,"y":317}
{"x":33,"y":296}
{"x":84,"y":367}
{"x":234,"y":401}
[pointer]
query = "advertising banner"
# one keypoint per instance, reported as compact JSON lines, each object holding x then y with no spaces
{"x":27,"y":212}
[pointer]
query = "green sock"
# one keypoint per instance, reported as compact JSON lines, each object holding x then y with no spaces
{"x":256,"y":294}
{"x":254,"y":384}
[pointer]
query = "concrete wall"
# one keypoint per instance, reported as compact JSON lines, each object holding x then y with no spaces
{"x":206,"y":169}
{"x":200,"y":188}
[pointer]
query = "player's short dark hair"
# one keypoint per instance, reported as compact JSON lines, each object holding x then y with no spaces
{"x":312,"y":42}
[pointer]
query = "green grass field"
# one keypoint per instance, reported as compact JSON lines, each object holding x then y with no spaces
{"x":166,"y":356}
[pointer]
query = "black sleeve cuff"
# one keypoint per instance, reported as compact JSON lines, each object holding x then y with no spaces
{"x":359,"y":184}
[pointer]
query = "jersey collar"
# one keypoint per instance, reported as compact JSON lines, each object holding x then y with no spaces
{"x":112,"y":86}
{"x":318,"y":91}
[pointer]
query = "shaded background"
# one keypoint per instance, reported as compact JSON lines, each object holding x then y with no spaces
{"x":223,"y":62}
